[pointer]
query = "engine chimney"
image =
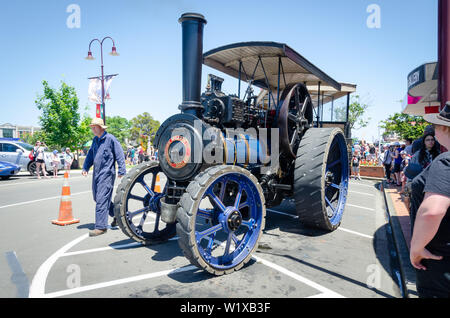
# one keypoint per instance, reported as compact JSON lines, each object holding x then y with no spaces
{"x":192,"y":25}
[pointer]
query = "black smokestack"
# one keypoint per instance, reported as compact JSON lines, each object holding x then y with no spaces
{"x":192,"y":24}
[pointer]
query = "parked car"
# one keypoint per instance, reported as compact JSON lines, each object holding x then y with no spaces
{"x":16,"y":151}
{"x":8,"y":169}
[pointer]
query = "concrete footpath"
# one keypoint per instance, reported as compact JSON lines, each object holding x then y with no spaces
{"x":399,"y":220}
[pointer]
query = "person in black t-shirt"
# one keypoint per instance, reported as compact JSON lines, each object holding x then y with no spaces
{"x":430,"y":212}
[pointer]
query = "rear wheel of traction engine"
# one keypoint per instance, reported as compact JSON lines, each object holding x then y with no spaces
{"x":321,"y":178}
{"x":137,"y":205}
{"x":220,"y":219}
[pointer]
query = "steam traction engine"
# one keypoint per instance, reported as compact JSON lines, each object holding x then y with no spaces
{"x":224,"y":158}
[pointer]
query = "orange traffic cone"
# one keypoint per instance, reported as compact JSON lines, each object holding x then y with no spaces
{"x":157,"y":184}
{"x":65,"y":208}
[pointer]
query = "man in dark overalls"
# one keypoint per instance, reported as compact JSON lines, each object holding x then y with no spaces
{"x":103,"y":154}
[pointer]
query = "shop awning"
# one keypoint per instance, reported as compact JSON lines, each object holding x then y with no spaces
{"x":422,"y":97}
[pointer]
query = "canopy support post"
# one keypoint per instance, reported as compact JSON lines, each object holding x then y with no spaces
{"x":318,"y":105}
{"x":321,"y":111}
{"x":332,"y":107}
{"x":267,"y":81}
{"x":278,"y":86}
{"x":348,"y":132}
{"x":239,"y":85}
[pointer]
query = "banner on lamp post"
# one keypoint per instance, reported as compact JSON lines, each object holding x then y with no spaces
{"x":99,"y":110}
{"x":95,"y":88}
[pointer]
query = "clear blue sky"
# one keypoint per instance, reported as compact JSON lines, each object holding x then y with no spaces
{"x":37,"y":45}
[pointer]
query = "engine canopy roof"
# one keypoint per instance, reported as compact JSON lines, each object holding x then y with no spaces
{"x":296,"y":68}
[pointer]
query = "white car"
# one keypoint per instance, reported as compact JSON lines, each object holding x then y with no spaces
{"x":17,"y":152}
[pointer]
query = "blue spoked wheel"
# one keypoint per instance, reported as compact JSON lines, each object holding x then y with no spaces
{"x":137,"y":204}
{"x":220,"y":219}
{"x":321,"y":178}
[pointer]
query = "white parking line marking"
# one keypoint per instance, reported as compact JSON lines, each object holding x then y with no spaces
{"x":37,"y":288}
{"x":328,"y":293}
{"x":35,"y":181}
{"x":118,"y":282}
{"x":370,"y":194}
{"x":44,"y":199}
{"x":93,"y":250}
{"x":321,"y":295}
{"x":50,"y":198}
{"x":339,"y":228}
{"x":106,"y":248}
{"x":356,"y":233}
{"x":359,"y":207}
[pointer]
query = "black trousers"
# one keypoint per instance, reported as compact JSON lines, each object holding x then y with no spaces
{"x":435,"y":281}
{"x":387,"y":168}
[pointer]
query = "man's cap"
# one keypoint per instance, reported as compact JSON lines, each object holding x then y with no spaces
{"x":98,"y":122}
{"x":443,"y":118}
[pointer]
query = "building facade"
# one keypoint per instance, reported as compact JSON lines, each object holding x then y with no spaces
{"x":8,"y":130}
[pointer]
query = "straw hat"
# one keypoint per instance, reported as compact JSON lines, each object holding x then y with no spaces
{"x":98,"y":122}
{"x":443,"y":118}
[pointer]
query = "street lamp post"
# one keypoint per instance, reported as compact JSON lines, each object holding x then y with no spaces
{"x":379,"y":137}
{"x":90,"y":57}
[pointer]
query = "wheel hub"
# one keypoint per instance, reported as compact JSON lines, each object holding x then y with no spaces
{"x":231,"y":219}
{"x":329,"y":177}
{"x":234,"y":220}
{"x":153,"y":202}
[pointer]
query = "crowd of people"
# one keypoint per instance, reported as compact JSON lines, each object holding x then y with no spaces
{"x":421,"y":173}
{"x":138,"y":155}
{"x":403,"y":161}
{"x":38,"y":155}
{"x":65,"y":158}
{"x":363,"y":152}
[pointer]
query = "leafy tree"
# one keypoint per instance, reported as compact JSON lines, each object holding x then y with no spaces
{"x":404,"y":125}
{"x":60,"y":118}
{"x":143,"y":127}
{"x":356,"y":112}
{"x":32,"y":138}
{"x":84,"y":132}
{"x":120,"y":128}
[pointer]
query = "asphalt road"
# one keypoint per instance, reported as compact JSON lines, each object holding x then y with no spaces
{"x":39,"y":259}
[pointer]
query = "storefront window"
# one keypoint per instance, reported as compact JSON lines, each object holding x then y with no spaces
{"x":7,"y":133}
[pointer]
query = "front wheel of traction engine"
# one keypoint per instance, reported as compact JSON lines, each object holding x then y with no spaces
{"x":137,"y":205}
{"x":321,"y":178}
{"x":220,"y":219}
